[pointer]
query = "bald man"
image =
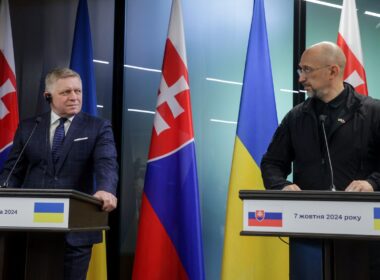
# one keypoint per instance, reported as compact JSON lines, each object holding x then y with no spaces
{"x":352,"y":130}
{"x":352,"y":124}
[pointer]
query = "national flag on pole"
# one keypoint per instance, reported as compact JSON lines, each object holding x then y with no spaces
{"x":82,"y":58}
{"x":82,"y":62}
{"x":8,"y":90}
{"x":249,"y":257}
{"x":169,"y":242}
{"x":349,"y":41}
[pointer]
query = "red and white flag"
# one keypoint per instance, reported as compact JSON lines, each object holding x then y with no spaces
{"x":349,"y":41}
{"x":8,"y":92}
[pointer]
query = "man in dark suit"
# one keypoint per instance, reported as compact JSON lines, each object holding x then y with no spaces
{"x":68,"y":149}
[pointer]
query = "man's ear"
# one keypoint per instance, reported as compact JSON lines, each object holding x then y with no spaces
{"x":335,"y":70}
{"x":48,"y":97}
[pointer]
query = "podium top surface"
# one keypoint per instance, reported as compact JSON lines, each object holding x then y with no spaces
{"x":49,"y":193}
{"x":309,"y":195}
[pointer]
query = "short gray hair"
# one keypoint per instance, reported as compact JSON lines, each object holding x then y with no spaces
{"x":59,"y":73}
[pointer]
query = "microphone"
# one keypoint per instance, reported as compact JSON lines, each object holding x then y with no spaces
{"x":322,"y":119}
{"x":6,"y":182}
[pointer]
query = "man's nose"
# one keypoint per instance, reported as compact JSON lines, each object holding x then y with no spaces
{"x":301,"y":78}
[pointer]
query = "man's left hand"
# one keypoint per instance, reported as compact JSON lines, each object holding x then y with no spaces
{"x":108,"y":199}
{"x":359,"y":186}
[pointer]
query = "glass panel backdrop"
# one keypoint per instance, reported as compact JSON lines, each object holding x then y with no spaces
{"x":103,"y":38}
{"x":216,"y":33}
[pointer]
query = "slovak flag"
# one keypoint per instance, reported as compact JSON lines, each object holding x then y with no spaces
{"x":8,"y":92}
{"x":349,"y":41}
{"x":169,"y":241}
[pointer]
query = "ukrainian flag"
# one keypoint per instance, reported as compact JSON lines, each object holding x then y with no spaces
{"x":48,"y":212}
{"x":248,"y":257}
{"x":376,"y":218}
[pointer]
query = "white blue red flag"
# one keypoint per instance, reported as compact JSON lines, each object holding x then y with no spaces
{"x":169,"y":243}
{"x":349,"y":41}
{"x":8,"y":91}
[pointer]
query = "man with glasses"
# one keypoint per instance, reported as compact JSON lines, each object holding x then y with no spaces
{"x":351,"y":128}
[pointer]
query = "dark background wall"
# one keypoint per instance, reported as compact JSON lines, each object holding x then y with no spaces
{"x":42,"y":38}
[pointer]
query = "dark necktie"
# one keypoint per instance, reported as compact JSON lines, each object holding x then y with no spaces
{"x":59,"y":137}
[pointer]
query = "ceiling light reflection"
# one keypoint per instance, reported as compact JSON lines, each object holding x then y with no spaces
{"x":288,"y":90}
{"x":100,"y":61}
{"x":222,"y":121}
{"x":224,"y":81}
{"x":142,"y":68}
{"x":141,"y":111}
{"x":372,"y":14}
{"x":325,"y":4}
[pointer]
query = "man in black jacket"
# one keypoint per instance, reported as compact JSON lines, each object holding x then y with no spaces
{"x":352,"y":130}
{"x":352,"y":123}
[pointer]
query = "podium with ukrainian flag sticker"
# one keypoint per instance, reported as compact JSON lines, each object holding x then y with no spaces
{"x":343,"y":224}
{"x":33,"y":223}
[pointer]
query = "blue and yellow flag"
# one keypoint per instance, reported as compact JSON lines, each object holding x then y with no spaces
{"x":48,"y":212}
{"x":82,"y":58}
{"x":376,"y":218}
{"x":248,"y":257}
{"x":82,"y":62}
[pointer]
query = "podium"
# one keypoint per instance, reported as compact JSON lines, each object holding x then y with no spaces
{"x":33,"y":223}
{"x":337,"y":219}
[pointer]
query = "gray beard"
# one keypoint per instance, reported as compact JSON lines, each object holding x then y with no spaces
{"x":315,"y":94}
{"x":310,"y":94}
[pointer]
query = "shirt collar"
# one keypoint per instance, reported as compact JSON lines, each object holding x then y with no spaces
{"x":337,"y":101}
{"x":54,"y":117}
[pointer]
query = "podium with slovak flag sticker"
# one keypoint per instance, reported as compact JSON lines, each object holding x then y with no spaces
{"x":33,"y":223}
{"x":339,"y":224}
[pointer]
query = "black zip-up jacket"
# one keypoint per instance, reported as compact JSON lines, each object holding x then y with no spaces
{"x":354,"y":142}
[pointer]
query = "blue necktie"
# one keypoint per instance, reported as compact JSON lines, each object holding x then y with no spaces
{"x":59,"y":137}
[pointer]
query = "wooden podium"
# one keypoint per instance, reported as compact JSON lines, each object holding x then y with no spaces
{"x":33,"y":223}
{"x":342,"y":221}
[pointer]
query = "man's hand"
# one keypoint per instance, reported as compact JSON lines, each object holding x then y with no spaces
{"x":108,"y":199}
{"x":292,"y":187}
{"x":359,"y":186}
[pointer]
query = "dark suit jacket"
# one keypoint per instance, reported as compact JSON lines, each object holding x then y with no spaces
{"x":88,"y":154}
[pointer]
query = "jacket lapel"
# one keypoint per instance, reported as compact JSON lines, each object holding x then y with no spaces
{"x":75,"y":128}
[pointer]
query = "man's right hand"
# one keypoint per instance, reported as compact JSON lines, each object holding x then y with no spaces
{"x":292,"y":187}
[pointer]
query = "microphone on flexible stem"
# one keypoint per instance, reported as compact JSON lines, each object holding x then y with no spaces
{"x":322,"y":119}
{"x":6,"y":182}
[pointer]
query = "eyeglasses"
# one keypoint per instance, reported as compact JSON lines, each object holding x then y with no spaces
{"x":307,"y":70}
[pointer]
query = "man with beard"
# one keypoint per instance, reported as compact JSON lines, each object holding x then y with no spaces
{"x":352,"y":126}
